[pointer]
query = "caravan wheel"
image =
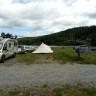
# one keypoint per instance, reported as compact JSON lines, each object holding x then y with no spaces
{"x":3,"y":59}
{"x":14,"y":55}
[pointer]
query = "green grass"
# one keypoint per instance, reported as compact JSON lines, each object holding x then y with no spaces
{"x":65,"y":55}
{"x":90,"y":91}
{"x":52,"y":90}
{"x":28,"y":58}
{"x":61,"y":55}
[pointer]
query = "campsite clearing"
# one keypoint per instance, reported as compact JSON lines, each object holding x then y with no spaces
{"x":49,"y":74}
{"x":59,"y":55}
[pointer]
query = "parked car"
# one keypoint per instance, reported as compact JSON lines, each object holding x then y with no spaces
{"x":28,"y":48}
{"x":21,"y":51}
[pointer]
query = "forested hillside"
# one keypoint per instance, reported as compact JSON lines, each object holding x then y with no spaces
{"x":73,"y":36}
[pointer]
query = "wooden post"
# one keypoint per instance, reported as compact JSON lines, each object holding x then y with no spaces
{"x":78,"y":52}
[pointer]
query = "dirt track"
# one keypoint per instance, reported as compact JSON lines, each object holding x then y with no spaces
{"x":28,"y":75}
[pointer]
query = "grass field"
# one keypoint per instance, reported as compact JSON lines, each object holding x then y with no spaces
{"x":60,"y":55}
{"x":66,"y":55}
{"x":51,"y":90}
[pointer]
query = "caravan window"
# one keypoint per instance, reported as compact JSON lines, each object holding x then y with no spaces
{"x":5,"y":46}
{"x":1,"y":46}
{"x":9,"y":45}
{"x":15,"y":44}
{"x":27,"y":47}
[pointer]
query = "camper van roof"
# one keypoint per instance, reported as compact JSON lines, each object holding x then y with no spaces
{"x":4,"y":40}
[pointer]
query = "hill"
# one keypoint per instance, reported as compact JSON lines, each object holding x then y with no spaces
{"x":73,"y":36}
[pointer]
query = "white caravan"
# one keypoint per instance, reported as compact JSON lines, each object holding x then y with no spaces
{"x":8,"y":48}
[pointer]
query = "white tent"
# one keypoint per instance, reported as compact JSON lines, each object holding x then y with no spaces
{"x":43,"y":48}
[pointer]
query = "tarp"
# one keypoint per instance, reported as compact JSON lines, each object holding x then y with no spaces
{"x":85,"y":50}
{"x":43,"y":48}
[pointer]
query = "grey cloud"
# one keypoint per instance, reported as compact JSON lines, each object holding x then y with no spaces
{"x":28,"y":1}
{"x":91,"y":15}
{"x":12,"y":23}
{"x":22,"y":1}
{"x":15,"y":23}
{"x":69,"y":2}
{"x":40,"y":12}
{"x":3,"y":16}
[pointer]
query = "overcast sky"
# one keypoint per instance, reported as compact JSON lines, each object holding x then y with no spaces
{"x":40,"y":17}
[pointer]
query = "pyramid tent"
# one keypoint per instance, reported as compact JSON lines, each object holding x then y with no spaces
{"x":43,"y":48}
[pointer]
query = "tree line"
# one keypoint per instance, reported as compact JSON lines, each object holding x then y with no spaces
{"x":74,"y":36}
{"x":7,"y":35}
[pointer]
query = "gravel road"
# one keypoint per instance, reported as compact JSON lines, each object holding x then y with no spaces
{"x":28,"y":75}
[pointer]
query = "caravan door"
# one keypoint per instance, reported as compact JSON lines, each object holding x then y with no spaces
{"x":5,"y":51}
{"x":10,"y":47}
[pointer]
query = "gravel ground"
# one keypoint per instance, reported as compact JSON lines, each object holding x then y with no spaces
{"x":28,"y":75}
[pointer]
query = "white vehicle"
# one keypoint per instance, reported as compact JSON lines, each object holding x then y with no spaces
{"x":8,"y":48}
{"x":27,"y":48}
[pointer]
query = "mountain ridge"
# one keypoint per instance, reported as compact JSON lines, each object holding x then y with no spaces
{"x":73,"y":36}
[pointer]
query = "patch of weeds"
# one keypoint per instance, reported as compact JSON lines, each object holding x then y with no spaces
{"x":24,"y":93}
{"x":53,"y":90}
{"x":13,"y":93}
{"x":57,"y":91}
{"x":79,"y":59}
{"x":90,"y":91}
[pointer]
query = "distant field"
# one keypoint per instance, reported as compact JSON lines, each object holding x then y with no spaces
{"x":60,"y":55}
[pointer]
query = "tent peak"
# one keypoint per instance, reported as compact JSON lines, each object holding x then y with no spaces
{"x":43,"y":48}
